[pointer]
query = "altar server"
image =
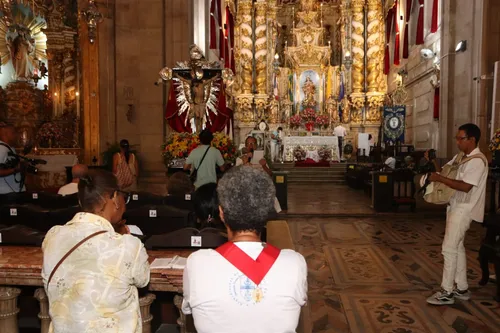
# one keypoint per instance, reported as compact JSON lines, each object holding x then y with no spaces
{"x":245,"y":285}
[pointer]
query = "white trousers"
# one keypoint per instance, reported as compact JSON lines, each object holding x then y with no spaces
{"x":274,"y":150}
{"x":455,"y":261}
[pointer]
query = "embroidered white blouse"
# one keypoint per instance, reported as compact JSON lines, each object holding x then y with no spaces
{"x":95,"y":288}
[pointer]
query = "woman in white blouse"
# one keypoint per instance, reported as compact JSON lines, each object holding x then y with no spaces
{"x":94,"y":289}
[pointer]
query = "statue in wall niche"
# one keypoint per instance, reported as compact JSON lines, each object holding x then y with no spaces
{"x":20,"y":49}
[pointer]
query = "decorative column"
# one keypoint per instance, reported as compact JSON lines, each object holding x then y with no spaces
{"x":260,"y":35}
{"x":244,"y":61}
{"x":44,"y":316}
{"x":145,"y":307}
{"x":358,"y":60}
{"x":375,"y":60}
{"x":9,"y":309}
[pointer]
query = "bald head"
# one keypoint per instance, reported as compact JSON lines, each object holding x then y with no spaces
{"x":78,"y":171}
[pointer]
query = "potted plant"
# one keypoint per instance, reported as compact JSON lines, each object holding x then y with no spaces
{"x":295,"y":121}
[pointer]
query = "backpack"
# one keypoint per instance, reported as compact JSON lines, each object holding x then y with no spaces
{"x":440,"y":193}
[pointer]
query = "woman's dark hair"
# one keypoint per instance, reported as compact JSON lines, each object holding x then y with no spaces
{"x":93,"y":188}
{"x":206,"y":203}
{"x":179,"y":184}
{"x":126,"y":149}
{"x":206,"y":137}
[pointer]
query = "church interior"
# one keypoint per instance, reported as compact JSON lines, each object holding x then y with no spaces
{"x":349,"y":106}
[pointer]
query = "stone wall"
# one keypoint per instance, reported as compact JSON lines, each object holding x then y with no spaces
{"x":135,"y":41}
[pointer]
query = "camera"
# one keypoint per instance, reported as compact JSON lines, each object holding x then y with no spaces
{"x":28,"y":167}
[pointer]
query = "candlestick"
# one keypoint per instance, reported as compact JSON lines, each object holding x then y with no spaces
{"x":293,"y":17}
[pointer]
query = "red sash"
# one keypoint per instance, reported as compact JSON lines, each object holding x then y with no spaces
{"x":255,"y":270}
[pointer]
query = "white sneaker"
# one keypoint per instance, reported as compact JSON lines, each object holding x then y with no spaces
{"x":441,"y":298}
{"x":461,"y":295}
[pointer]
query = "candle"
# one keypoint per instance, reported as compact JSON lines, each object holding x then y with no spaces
{"x":293,"y":17}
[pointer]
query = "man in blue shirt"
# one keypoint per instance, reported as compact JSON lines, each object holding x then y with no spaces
{"x":10,"y":178}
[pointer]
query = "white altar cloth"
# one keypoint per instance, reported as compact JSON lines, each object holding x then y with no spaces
{"x":310,"y":143}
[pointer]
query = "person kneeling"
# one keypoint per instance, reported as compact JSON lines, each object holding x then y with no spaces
{"x":245,"y":285}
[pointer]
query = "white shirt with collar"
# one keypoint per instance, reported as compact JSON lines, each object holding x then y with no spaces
{"x":68,"y":189}
{"x":340,"y":131}
{"x":223,"y":300}
{"x":475,"y":173}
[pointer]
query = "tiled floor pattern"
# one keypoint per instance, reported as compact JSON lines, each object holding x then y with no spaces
{"x":373,"y":275}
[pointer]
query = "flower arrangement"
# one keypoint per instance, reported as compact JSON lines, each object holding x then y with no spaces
{"x":49,"y":132}
{"x":323,"y":121}
{"x":299,"y":153}
{"x":309,"y":115}
{"x":295,"y":120}
{"x":495,"y":141}
{"x":325,"y":153}
{"x":180,"y":145}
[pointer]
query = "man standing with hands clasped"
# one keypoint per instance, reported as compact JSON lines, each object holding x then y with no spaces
{"x":466,"y":205}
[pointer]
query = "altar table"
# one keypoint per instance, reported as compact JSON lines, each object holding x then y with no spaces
{"x":310,"y":143}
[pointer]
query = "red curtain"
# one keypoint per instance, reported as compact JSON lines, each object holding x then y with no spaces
{"x":406,"y":39}
{"x":222,"y":119}
{"x":436,"y":103}
{"x":213,"y":28}
{"x":420,"y":23}
{"x":175,"y":120}
{"x":222,"y":50}
{"x":230,"y":23}
{"x":396,"y":41}
{"x":388,"y":30}
{"x":434,"y":23}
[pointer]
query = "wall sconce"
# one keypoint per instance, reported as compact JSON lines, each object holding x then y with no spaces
{"x":92,"y":17}
{"x":461,"y":46}
{"x":347,"y":60}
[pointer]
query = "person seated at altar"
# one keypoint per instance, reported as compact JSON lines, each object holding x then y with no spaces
{"x":390,"y":162}
{"x":77,"y":171}
{"x":179,"y":185}
{"x":247,"y":157}
{"x":203,"y":160}
{"x":10,"y":173}
{"x":92,"y":267}
{"x":276,"y":143}
{"x":125,"y":167}
{"x":206,"y":206}
{"x":240,"y":293}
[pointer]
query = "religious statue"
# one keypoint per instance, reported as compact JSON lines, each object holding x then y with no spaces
{"x":20,"y":49}
{"x":309,"y":90}
{"x":307,"y":5}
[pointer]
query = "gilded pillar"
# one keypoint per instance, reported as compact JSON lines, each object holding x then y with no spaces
{"x":358,"y":60}
{"x":375,"y":60}
{"x":244,"y":61}
{"x":260,"y":35}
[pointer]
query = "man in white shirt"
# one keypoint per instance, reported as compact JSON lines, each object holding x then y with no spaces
{"x":10,"y":176}
{"x":340,"y":132}
{"x":77,"y":171}
{"x":227,"y":290}
{"x":390,"y":162}
{"x":466,"y":205}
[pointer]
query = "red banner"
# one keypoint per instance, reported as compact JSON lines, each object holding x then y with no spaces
{"x":213,"y":28}
{"x":434,"y":22}
{"x":397,"y":47}
{"x":420,"y":24}
{"x":406,"y":37}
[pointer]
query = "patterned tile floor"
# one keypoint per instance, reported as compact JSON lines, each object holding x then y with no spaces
{"x":373,"y":274}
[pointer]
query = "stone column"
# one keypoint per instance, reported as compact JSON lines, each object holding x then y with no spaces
{"x":376,"y":83}
{"x":9,"y":309}
{"x":260,"y":55}
{"x":145,"y":305}
{"x":44,"y":316}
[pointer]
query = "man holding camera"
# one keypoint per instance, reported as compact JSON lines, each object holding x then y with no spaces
{"x":466,"y":205}
{"x":10,"y":167}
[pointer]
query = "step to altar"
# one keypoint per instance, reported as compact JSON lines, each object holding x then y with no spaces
{"x":334,"y":174}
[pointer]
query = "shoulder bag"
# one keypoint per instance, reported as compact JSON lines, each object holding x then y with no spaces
{"x":194,"y":174}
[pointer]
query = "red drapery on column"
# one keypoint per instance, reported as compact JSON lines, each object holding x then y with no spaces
{"x":230,"y":22}
{"x":213,"y":28}
{"x":222,"y":50}
{"x":396,"y":27}
{"x":175,"y":120}
{"x":434,"y":23}
{"x":436,"y":103}
{"x":407,"y":26}
{"x":420,"y":23}
{"x":388,"y":30}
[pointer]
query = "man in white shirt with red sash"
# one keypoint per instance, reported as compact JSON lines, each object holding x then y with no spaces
{"x":466,"y":205}
{"x":245,"y":285}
